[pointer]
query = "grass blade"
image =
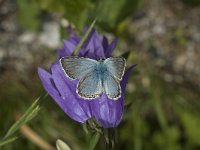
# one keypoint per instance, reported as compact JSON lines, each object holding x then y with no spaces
{"x":7,"y":141}
{"x":84,"y":38}
{"x":27,"y":116}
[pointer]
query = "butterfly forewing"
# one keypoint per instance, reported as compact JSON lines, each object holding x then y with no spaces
{"x":116,"y":66}
{"x":90,"y":86}
{"x":77,"y":67}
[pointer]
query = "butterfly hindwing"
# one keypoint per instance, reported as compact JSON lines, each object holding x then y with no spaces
{"x":116,"y":66}
{"x":77,"y":67}
{"x":90,"y":86}
{"x":111,"y":86}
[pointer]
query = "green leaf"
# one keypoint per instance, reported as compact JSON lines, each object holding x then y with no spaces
{"x":7,"y":141}
{"x":62,"y":145}
{"x":27,"y":116}
{"x":111,"y":12}
{"x":84,"y":38}
{"x":94,"y":140}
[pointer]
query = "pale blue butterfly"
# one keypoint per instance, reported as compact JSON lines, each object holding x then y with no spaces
{"x":95,"y":77}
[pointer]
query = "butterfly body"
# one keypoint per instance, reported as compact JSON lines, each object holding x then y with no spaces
{"x":95,"y":77}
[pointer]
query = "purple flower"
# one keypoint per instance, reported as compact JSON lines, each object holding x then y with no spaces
{"x":63,"y":90}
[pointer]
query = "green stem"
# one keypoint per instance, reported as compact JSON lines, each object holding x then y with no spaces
{"x":76,"y":50}
{"x":110,"y":135}
{"x":94,"y":140}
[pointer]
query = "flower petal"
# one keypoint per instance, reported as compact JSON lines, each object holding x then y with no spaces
{"x":69,"y":47}
{"x":105,"y":43}
{"x":48,"y":83}
{"x":94,"y":48}
{"x":61,"y":53}
{"x":67,"y":50}
{"x":109,"y":112}
{"x":74,"y":106}
{"x":51,"y":89}
{"x":72,"y":36}
{"x":111,"y":47}
{"x":74,"y":39}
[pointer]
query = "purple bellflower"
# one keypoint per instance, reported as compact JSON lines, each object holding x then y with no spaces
{"x":63,"y":90}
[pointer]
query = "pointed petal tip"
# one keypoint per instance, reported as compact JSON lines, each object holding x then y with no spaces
{"x":41,"y":71}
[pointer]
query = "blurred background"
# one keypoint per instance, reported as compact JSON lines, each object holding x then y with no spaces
{"x":162,"y":110}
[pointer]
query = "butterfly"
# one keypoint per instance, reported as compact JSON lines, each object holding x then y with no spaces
{"x":95,"y":76}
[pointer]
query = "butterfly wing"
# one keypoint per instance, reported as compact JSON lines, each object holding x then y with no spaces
{"x":111,"y":86}
{"x":77,"y":67}
{"x":90,"y":86}
{"x":116,"y":66}
{"x":111,"y":80}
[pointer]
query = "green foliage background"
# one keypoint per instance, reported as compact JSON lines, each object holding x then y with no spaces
{"x":158,"y":116}
{"x":110,"y":13}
